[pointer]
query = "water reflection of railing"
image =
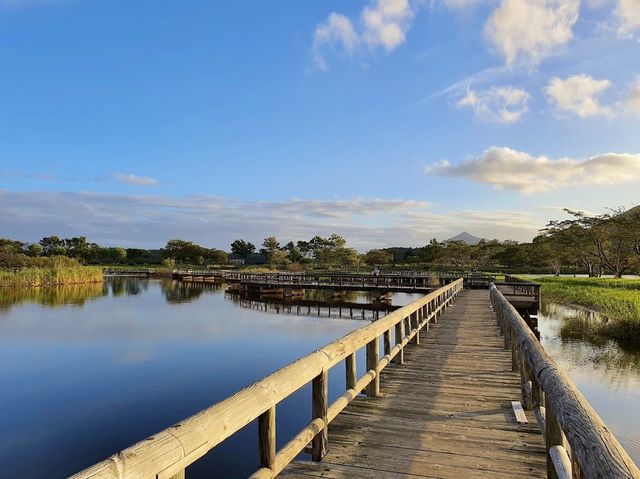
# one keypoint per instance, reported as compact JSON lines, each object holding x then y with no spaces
{"x":320,"y":309}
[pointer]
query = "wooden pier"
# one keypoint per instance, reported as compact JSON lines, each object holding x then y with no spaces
{"x":456,"y":385}
{"x":451,"y":421}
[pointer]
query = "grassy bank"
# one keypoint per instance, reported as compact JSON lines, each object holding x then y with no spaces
{"x":50,"y":271}
{"x":617,"y":299}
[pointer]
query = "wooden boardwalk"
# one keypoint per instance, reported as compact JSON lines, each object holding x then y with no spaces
{"x":445,"y":413}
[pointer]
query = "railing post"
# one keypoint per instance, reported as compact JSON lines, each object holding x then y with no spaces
{"x":373,"y":348}
{"x":267,"y":437}
{"x":350,"y":366}
{"x":553,"y":437}
{"x":386,"y":337}
{"x":180,"y":475}
{"x":515,"y":346}
{"x":526,"y":386}
{"x":399,"y":358}
{"x":320,"y":404}
{"x":415,"y":323}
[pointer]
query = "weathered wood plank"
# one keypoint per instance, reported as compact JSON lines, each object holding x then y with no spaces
{"x":519,"y":413}
{"x":444,"y":412}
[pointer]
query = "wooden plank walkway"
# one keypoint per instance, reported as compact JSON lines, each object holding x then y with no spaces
{"x":445,"y":413}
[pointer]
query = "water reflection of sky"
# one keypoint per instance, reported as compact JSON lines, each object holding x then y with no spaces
{"x":87,"y":372}
{"x":606,"y":372}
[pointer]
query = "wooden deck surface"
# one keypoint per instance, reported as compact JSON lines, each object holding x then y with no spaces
{"x":445,"y":413}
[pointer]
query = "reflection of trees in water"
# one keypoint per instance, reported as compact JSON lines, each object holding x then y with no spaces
{"x":73,"y":294}
{"x":176,"y":292}
{"x":582,"y":343}
{"x":121,"y":286}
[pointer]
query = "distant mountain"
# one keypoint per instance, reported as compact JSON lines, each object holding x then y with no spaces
{"x":466,"y":238}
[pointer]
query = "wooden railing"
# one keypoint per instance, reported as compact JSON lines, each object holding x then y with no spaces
{"x":331,"y":280}
{"x":579,"y":444}
{"x":166,"y":454}
{"x":513,"y":286}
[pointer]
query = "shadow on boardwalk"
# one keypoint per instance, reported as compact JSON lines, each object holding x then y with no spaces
{"x":445,"y":413}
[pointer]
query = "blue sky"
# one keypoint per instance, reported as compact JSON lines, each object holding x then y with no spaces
{"x":387,"y":121}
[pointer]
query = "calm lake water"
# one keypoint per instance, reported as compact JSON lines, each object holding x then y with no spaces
{"x":88,"y":370}
{"x":607,"y":372}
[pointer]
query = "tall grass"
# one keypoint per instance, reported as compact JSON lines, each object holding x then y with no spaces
{"x":53,"y":271}
{"x":617,"y":299}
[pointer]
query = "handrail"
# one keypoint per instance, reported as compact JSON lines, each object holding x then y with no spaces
{"x":166,"y":454}
{"x":563,"y":414}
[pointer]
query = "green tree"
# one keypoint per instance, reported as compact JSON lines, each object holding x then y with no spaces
{"x":242,"y":248}
{"x":76,"y":247}
{"x":270,"y":246}
{"x":118,"y":255}
{"x":377,"y":257}
{"x":9,"y":246}
{"x":34,"y":250}
{"x":293,"y":252}
{"x":216,"y":256}
{"x":49,"y":243}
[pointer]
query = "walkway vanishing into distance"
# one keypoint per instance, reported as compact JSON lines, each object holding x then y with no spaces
{"x":456,"y":386}
{"x":446,"y":413}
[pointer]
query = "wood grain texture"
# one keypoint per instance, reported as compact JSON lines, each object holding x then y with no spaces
{"x":445,"y":413}
{"x":594,"y":449}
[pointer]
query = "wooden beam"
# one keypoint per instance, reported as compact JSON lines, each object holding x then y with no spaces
{"x":320,"y":404}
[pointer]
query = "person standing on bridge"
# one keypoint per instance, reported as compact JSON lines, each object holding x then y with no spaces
{"x":376,"y":273}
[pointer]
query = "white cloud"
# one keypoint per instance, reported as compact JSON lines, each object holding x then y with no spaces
{"x":500,"y":104}
{"x":337,"y":32}
{"x":386,"y":23}
{"x":516,"y":170}
{"x":383,"y":23}
{"x":628,"y":14}
{"x":632,"y":102}
{"x":527,"y":31}
{"x":579,"y":94}
{"x":135,"y":179}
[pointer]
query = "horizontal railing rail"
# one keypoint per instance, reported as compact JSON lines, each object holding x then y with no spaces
{"x":166,"y":454}
{"x":578,"y":443}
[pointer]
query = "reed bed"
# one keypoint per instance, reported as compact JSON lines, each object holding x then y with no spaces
{"x":56,"y":271}
{"x":617,"y":299}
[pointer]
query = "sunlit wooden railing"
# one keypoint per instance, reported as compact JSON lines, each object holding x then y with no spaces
{"x":578,"y":443}
{"x":166,"y":455}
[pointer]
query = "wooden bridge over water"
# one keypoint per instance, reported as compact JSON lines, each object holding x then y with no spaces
{"x":456,"y":385}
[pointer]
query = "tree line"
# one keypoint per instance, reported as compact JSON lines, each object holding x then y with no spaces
{"x":595,"y":245}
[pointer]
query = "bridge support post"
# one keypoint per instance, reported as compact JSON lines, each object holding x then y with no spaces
{"x":373,"y":348}
{"x":320,"y":404}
